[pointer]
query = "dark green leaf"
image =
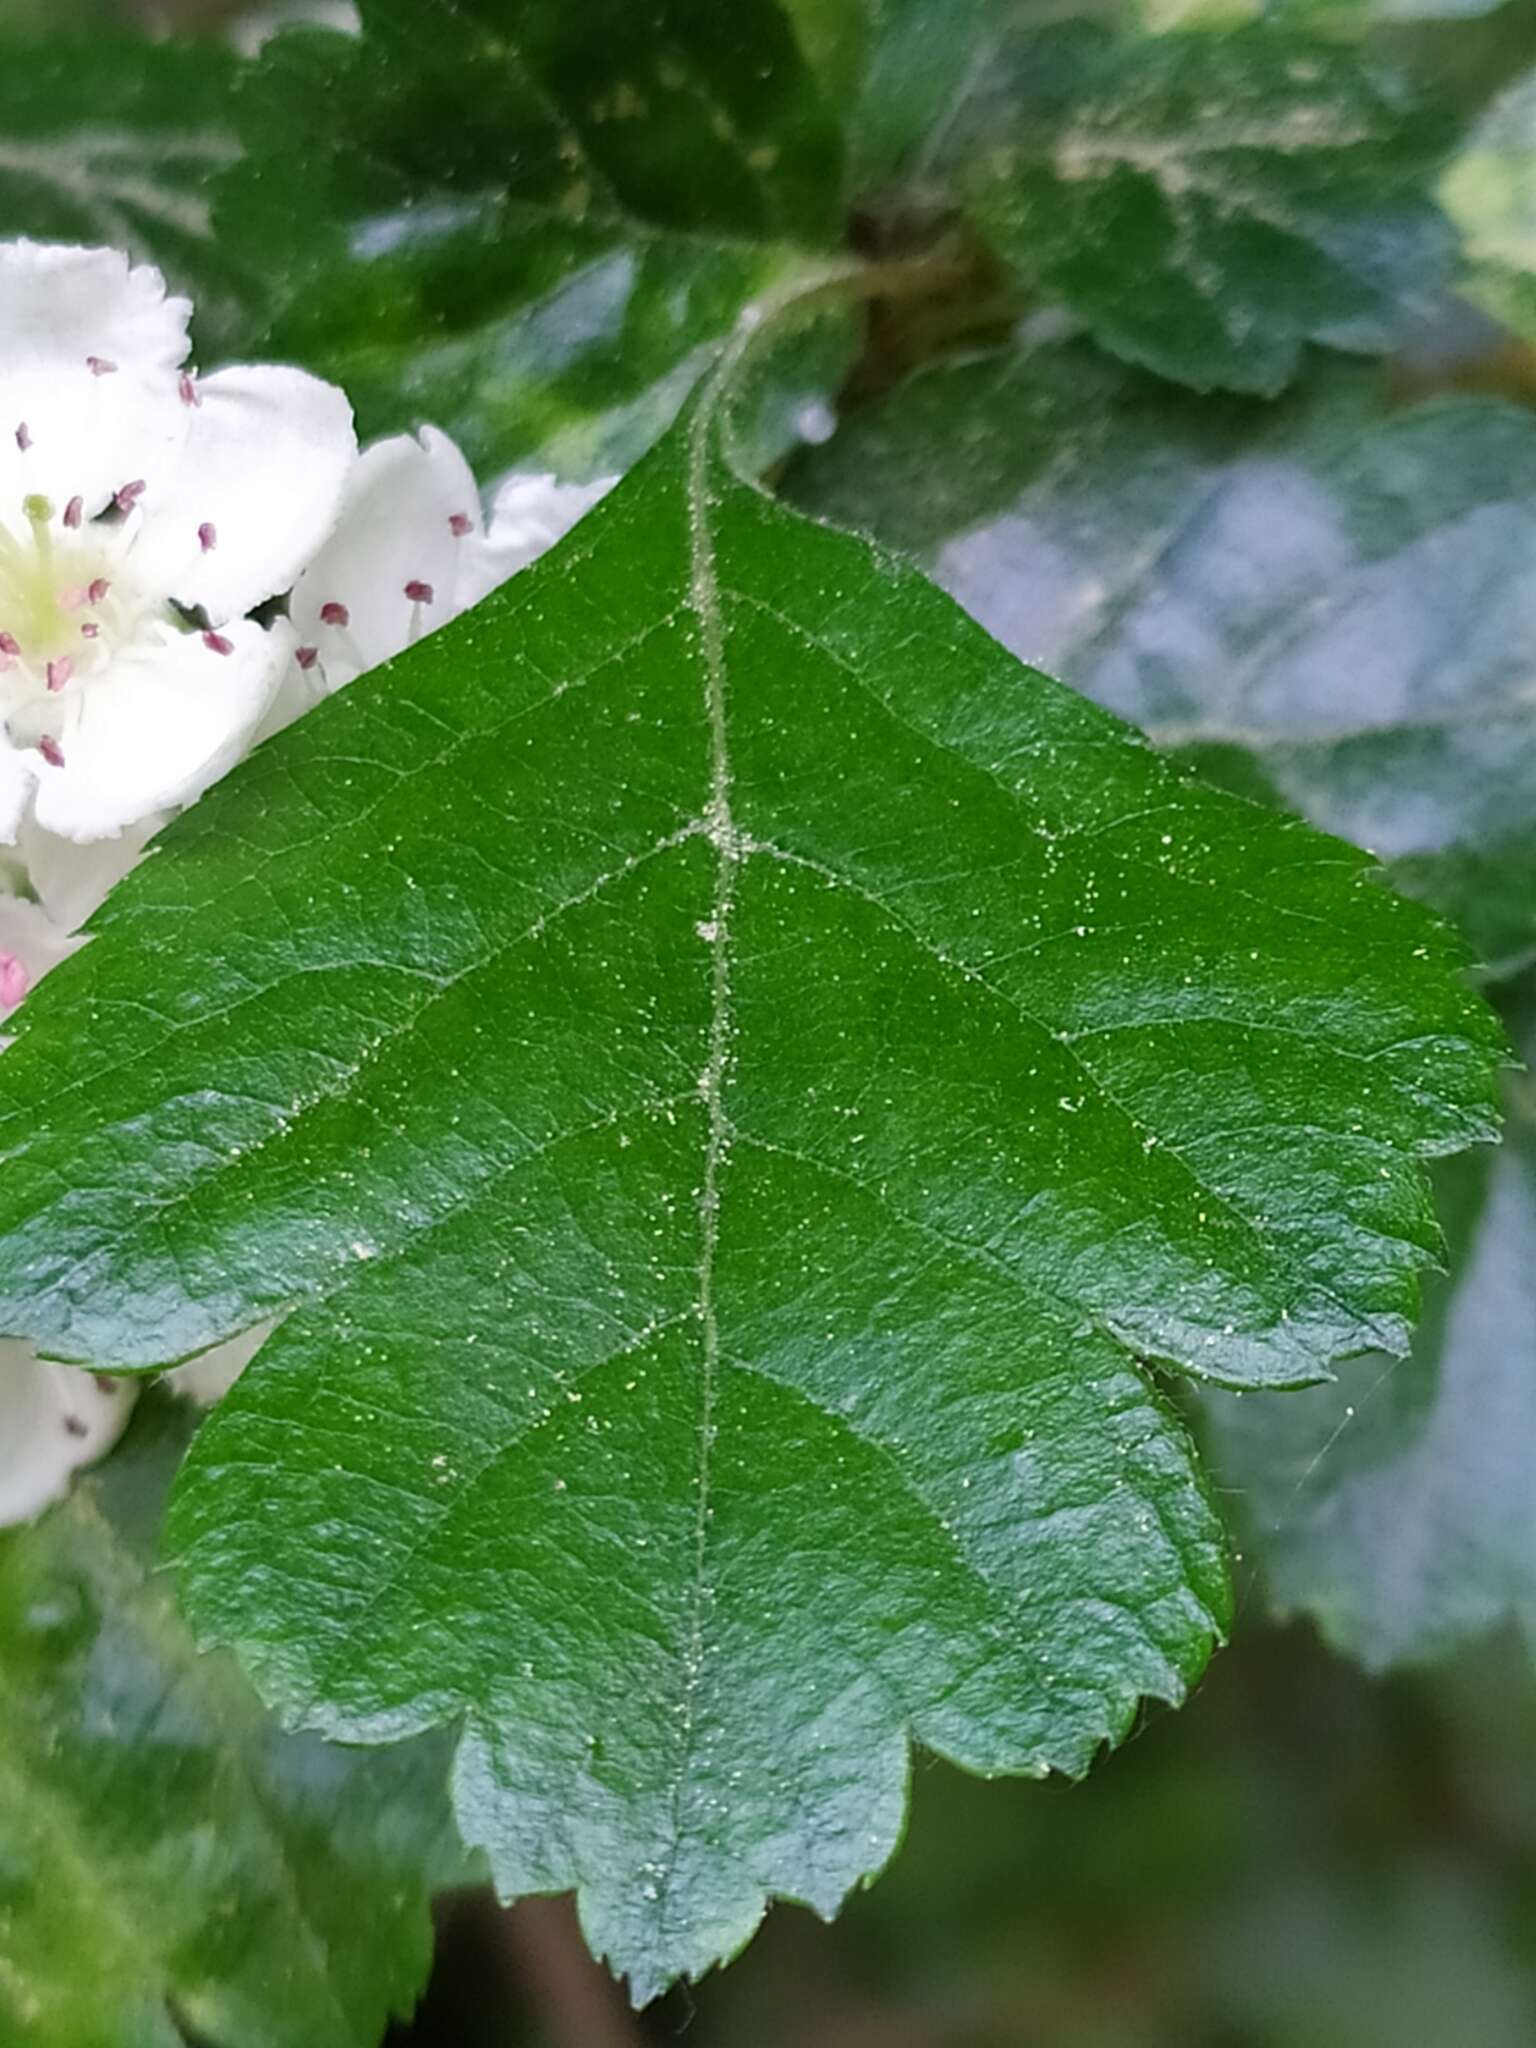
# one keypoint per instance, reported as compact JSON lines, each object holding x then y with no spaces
{"x":1210,"y":203}
{"x":1400,"y":1512}
{"x":106,"y":137}
{"x":1330,"y":604}
{"x":529,"y":221}
{"x":171,"y":1865}
{"x":728,"y":1078}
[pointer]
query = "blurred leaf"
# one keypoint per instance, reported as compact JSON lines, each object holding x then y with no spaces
{"x":1210,"y":203}
{"x":169,"y":1861}
{"x":1358,"y":16}
{"x":1490,"y":191}
{"x":106,"y":137}
{"x":731,"y":1077}
{"x":528,"y":221}
{"x":1331,"y":606}
{"x":1401,"y":1513}
{"x":904,"y":71}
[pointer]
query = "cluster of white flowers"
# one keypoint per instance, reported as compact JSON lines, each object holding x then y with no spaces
{"x":146,"y":512}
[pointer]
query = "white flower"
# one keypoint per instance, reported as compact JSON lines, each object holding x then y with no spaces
{"x":532,"y":510}
{"x":57,"y":1418}
{"x":410,"y":552}
{"x":143,"y":513}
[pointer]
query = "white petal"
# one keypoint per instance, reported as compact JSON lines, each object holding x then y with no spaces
{"x":209,"y":1378}
{"x":17,"y":775}
{"x":90,"y":349}
{"x":165,"y":721}
{"x":71,"y":879}
{"x":396,"y":527}
{"x":531,"y":512}
{"x":257,"y":491}
{"x":53,"y":1419}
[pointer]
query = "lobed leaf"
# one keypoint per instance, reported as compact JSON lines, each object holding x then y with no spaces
{"x":728,"y":1080}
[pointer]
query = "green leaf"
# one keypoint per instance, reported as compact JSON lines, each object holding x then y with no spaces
{"x":1211,"y":203}
{"x":171,"y":1864}
{"x":106,"y":137}
{"x":1329,"y":604}
{"x":728,"y":1078}
{"x":527,"y":221}
{"x":1400,"y":1512}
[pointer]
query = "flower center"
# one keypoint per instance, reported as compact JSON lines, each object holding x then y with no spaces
{"x":67,"y":608}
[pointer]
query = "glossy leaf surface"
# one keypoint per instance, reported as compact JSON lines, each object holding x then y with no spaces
{"x":1329,"y":604}
{"x":727,"y":1077}
{"x":172,"y":1866}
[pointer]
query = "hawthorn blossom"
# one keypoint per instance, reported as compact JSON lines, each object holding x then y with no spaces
{"x":532,"y":510}
{"x":409,"y":553}
{"x":144,"y":512}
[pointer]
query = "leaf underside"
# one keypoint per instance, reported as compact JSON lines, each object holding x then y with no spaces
{"x":727,"y":1077}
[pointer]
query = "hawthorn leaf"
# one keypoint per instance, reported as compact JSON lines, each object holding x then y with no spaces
{"x":1329,"y":604}
{"x":726,"y":1080}
{"x":109,"y":138}
{"x":1399,"y":1512}
{"x":1208,"y":204}
{"x":172,"y":1866}
{"x":526,"y":221}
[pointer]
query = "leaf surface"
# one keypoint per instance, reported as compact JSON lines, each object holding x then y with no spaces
{"x":1208,"y":204}
{"x":1329,"y":604}
{"x":727,"y":1078}
{"x":171,"y":1865}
